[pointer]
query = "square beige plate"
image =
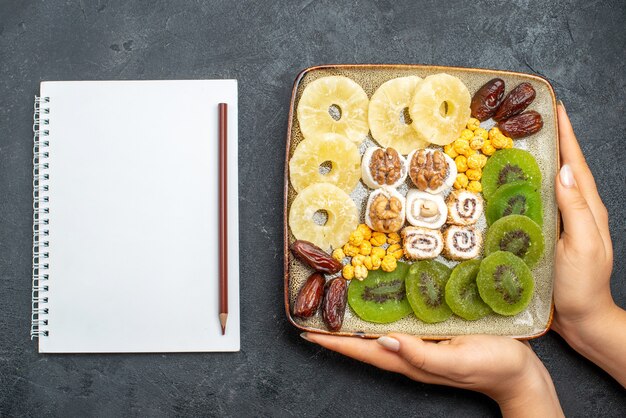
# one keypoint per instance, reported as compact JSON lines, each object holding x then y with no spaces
{"x":532,"y":322}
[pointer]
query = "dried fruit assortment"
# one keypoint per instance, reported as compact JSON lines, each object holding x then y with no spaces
{"x":334,"y":105}
{"x":340,"y":209}
{"x":487,"y":99}
{"x":315,"y":257}
{"x":515,"y":102}
{"x":440,"y":108}
{"x":341,"y":154}
{"x":310,"y":296}
{"x":439,"y":142}
{"x":381,"y":297}
{"x":389,"y":119}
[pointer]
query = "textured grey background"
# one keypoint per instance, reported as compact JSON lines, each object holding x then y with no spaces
{"x":579,"y":46}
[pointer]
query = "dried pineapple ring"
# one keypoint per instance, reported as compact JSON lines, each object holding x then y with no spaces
{"x":343,"y":216}
{"x":318,"y":98}
{"x":387,"y":106}
{"x":345,"y":170}
{"x":431,"y":120}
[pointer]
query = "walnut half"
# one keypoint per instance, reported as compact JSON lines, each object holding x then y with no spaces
{"x":428,"y":169}
{"x":385,"y":166}
{"x":386,"y":214}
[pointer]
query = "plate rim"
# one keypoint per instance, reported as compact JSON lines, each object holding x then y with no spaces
{"x":296,"y":84}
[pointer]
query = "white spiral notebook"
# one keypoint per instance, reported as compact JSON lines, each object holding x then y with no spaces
{"x":125,"y":253}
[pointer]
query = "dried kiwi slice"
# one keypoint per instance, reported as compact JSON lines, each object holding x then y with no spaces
{"x":381,"y":297}
{"x":517,"y":198}
{"x":425,"y":289}
{"x":505,"y":283}
{"x":462,"y":292}
{"x":509,"y":165}
{"x":517,"y":234}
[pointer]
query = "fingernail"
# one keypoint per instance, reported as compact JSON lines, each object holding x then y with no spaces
{"x":567,"y":177}
{"x":562,"y":105}
{"x":389,"y":343}
{"x":305,"y":336}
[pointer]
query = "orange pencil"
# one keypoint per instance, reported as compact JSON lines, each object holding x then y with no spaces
{"x":223,"y":216}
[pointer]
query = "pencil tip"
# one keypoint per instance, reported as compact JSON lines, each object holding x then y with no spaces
{"x":223,"y":318}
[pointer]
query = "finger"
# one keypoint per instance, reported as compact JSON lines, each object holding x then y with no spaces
{"x":579,"y":226}
{"x":367,"y":351}
{"x":433,"y":358}
{"x":371,"y":352}
{"x":568,"y":144}
{"x":572,"y":154}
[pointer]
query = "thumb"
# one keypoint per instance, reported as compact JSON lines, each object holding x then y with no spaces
{"x":435,"y":358}
{"x":578,"y":221}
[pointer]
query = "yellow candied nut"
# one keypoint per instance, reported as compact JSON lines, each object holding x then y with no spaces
{"x":348,"y":272}
{"x":396,"y":251}
{"x":477,"y":143}
{"x":350,"y":250}
{"x":338,"y":254}
{"x":365,"y":231}
{"x":475,"y":161}
{"x":378,"y":252}
{"x":493,"y":132}
{"x":461,"y":163}
{"x":371,"y":262}
{"x":461,"y":146}
{"x":389,"y":263}
{"x":474,"y":173}
{"x":461,"y":181}
{"x":393,"y":238}
{"x":475,"y":187}
{"x":449,"y":150}
{"x":473,"y":124}
{"x":357,"y":260}
{"x":360,"y":272}
{"x":376,"y":261}
{"x":487,"y":148}
{"x":365,"y":248}
{"x":499,"y":141}
{"x":509,"y":142}
{"x":367,"y":262}
{"x":356,"y":238}
{"x":466,"y":134}
{"x":378,"y":239}
{"x":481,"y":133}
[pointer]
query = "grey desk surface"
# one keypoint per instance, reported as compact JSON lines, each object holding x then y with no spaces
{"x":579,"y":46}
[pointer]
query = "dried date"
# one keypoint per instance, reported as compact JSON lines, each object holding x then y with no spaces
{"x":315,"y":257}
{"x":310,"y":296}
{"x":334,"y":305}
{"x":521,"y":125}
{"x":487,"y":99}
{"x":516,"y":101}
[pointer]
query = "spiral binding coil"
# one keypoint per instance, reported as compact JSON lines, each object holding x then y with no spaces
{"x":39,"y":318}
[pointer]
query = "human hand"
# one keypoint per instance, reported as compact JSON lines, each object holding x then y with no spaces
{"x":585,"y":314}
{"x":584,"y":256}
{"x":504,"y":369}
